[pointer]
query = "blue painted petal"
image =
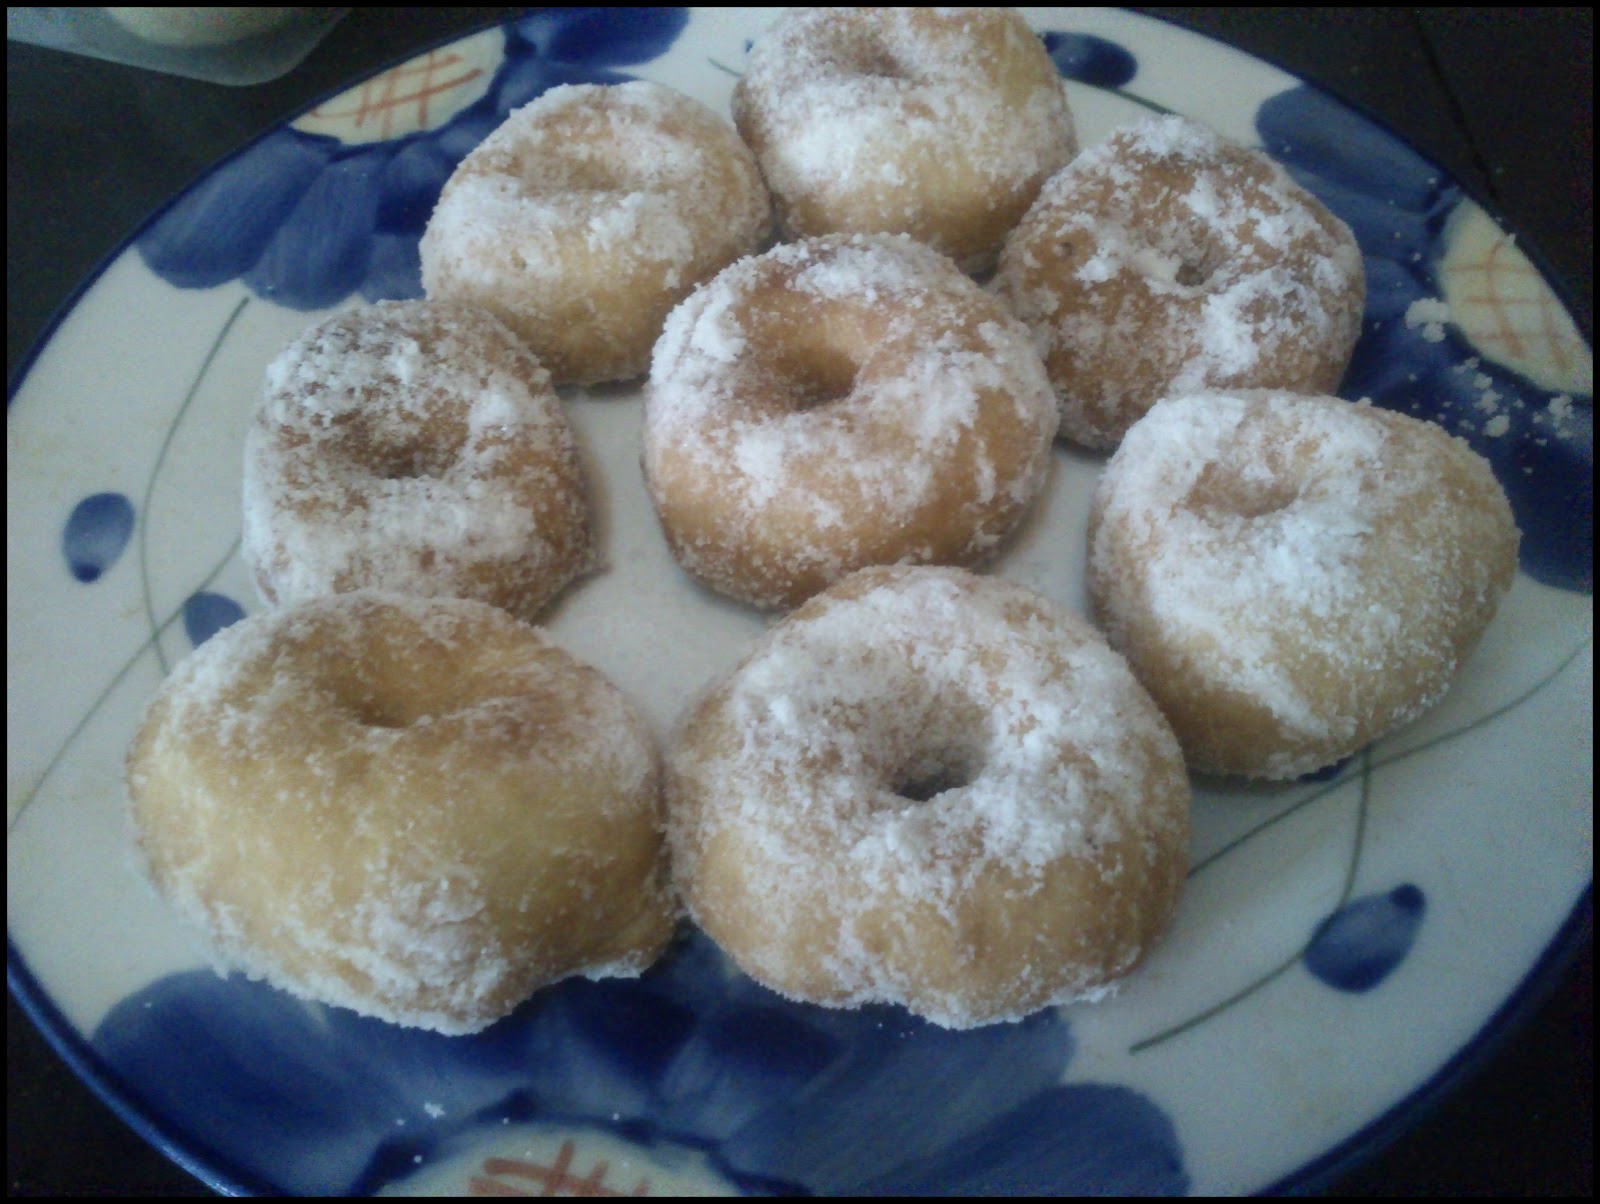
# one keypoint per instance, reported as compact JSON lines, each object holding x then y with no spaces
{"x":206,"y":614}
{"x":300,"y":1094}
{"x":410,"y":186}
{"x":463,"y":134}
{"x":1392,"y":286}
{"x":321,"y":251}
{"x":97,"y":531}
{"x":1066,"y":1141}
{"x":694,"y":974}
{"x":1305,"y":128}
{"x":1382,"y":227}
{"x":822,"y":1099}
{"x":600,"y":1046}
{"x":294,"y":215}
{"x":1395,"y":366}
{"x":738,"y":1063}
{"x":220,"y":228}
{"x":1091,"y":60}
{"x":1550,"y":482}
{"x":395,"y":273}
{"x":603,"y":37}
{"x":1359,"y":945}
{"x":902,"y":1091}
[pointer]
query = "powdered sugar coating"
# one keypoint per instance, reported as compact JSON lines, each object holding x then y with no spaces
{"x":938,"y":123}
{"x":1046,"y":861}
{"x":588,"y":214}
{"x":420,"y":809}
{"x":841,"y":402}
{"x":416,"y":447}
{"x":1294,"y":577}
{"x":1168,"y":260}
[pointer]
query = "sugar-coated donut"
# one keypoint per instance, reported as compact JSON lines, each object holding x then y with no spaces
{"x":417,"y":447}
{"x":588,"y":214}
{"x":1169,"y":260}
{"x":930,"y":788}
{"x":840,"y":402}
{"x":937,"y":123}
{"x":1294,"y":577}
{"x":420,"y":809}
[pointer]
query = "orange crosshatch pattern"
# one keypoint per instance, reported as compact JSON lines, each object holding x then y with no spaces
{"x":415,"y":83}
{"x":553,"y":1180}
{"x":1486,"y":277}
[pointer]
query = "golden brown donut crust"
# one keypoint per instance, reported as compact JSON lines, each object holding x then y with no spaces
{"x":588,"y":214}
{"x":1169,"y":260}
{"x":418,"y":447}
{"x":930,"y":788}
{"x":937,"y":123}
{"x":836,"y":403}
{"x":419,"y":809}
{"x":1294,"y":577}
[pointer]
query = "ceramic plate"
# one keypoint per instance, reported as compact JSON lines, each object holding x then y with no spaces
{"x":1342,"y":944}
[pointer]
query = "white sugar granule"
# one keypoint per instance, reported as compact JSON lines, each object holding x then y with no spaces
{"x":1429,"y":315}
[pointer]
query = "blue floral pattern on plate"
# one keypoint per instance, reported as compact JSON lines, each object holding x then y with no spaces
{"x":1400,"y":207}
{"x":1090,"y":59}
{"x":1359,"y":945}
{"x":95,"y":534}
{"x":776,"y":1096}
{"x":307,"y":219}
{"x":692,"y":1053}
{"x":206,"y":613}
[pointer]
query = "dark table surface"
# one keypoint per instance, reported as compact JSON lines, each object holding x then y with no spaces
{"x":1501,"y":98}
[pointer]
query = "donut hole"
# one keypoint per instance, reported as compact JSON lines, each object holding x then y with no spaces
{"x":816,"y":376}
{"x":1219,"y":492}
{"x":386,"y":693}
{"x":1193,"y":274}
{"x":1175,"y":249}
{"x":576,"y":179}
{"x":370,"y":705}
{"x":925,"y":785}
{"x":383,"y":712}
{"x":936,"y":768}
{"x":394,"y":702}
{"x":405,"y":451}
{"x":414,"y":464}
{"x":1185,"y":262}
{"x":860,"y":52}
{"x":878,"y":61}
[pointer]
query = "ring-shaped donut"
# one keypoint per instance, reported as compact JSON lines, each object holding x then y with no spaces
{"x":841,"y":402}
{"x":1169,"y":260}
{"x":418,"y":447}
{"x":937,"y":123}
{"x":588,"y":214}
{"x":421,"y":809}
{"x":1294,"y":577}
{"x":930,"y":788}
